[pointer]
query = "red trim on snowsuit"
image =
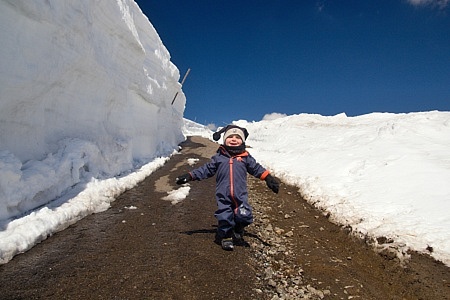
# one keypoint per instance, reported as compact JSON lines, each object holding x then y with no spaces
{"x":264,"y":175}
{"x":238,"y":158}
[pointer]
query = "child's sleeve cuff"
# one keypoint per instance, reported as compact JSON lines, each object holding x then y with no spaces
{"x":264,"y":175}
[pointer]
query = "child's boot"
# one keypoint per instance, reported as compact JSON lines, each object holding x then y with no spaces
{"x":227,"y":244}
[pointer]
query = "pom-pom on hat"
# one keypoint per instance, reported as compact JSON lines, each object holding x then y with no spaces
{"x":230,"y":130}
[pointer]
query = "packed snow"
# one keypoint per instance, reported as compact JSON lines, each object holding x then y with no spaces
{"x":177,"y":195}
{"x":385,"y":175}
{"x":85,"y":115}
{"x":85,"y":101}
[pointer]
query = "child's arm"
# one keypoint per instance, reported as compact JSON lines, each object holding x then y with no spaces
{"x":203,"y":172}
{"x":206,"y":171}
{"x":255,"y":169}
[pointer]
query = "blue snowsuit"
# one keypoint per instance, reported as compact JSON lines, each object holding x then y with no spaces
{"x":233,"y":209}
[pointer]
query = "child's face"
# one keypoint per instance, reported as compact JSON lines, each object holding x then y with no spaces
{"x":233,"y":140}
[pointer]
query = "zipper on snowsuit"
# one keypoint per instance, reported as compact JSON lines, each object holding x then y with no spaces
{"x":231,"y":162}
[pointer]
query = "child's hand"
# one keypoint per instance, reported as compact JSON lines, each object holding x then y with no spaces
{"x":272,"y":184}
{"x":184,"y":178}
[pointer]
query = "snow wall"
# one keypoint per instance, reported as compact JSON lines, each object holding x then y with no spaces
{"x":85,"y":92}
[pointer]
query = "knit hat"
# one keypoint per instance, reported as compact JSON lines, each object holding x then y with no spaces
{"x":230,"y":130}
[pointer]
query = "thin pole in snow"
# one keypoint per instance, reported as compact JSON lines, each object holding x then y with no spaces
{"x":182,"y":81}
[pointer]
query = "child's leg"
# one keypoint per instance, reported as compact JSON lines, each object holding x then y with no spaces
{"x":225,"y":228}
{"x":225,"y":218}
{"x":239,"y":228}
{"x":243,"y":217}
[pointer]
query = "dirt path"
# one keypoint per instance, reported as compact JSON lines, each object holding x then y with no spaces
{"x":144,"y":247}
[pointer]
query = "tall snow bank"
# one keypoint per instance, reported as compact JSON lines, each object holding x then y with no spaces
{"x":384,"y":175}
{"x":85,"y":92}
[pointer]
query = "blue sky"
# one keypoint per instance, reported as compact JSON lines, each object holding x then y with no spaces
{"x":255,"y":57}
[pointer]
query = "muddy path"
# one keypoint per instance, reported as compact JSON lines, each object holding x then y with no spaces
{"x":145,"y":247}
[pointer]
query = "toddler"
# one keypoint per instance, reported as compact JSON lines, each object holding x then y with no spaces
{"x":231,"y":164}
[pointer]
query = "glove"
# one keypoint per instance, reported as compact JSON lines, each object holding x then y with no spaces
{"x":272,"y":183}
{"x":184,"y":178}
